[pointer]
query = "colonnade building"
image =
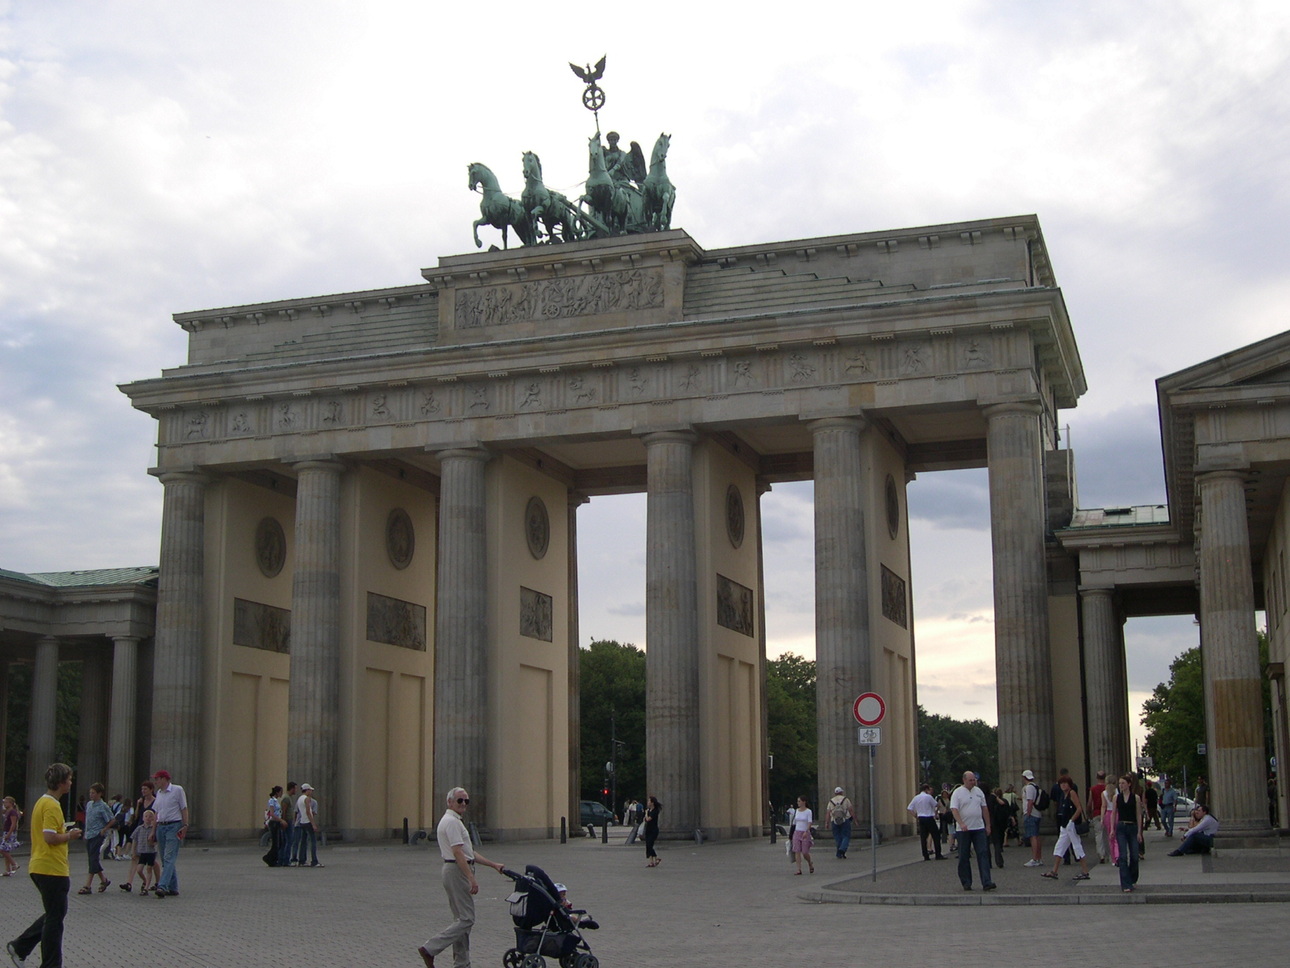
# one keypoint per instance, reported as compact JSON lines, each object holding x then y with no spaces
{"x":368,"y":575}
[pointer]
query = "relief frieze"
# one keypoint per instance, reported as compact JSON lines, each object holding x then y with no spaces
{"x":590,"y":295}
{"x":260,"y":626}
{"x":396,"y":622}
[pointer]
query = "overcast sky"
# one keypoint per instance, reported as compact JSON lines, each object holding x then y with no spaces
{"x":159,"y":157}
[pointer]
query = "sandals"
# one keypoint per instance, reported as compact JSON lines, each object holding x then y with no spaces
{"x":127,"y":887}
{"x":104,"y":886}
{"x":84,"y":890}
{"x":1049,"y":874}
{"x":1080,"y":877}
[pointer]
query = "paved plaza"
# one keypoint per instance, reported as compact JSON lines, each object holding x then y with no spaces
{"x":726,"y":904}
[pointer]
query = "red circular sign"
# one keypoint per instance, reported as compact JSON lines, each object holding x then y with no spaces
{"x":869,"y":709}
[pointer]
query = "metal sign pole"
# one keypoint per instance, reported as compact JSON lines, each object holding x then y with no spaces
{"x":873,"y":827}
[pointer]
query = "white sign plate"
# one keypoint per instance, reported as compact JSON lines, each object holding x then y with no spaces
{"x":869,"y":735}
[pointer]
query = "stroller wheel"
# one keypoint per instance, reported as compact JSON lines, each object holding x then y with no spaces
{"x":586,"y":960}
{"x":533,"y":961}
{"x":513,"y":959}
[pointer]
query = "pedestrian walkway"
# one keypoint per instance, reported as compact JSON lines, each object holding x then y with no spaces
{"x":719,"y":905}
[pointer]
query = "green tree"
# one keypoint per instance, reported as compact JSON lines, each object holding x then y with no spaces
{"x":612,"y":704}
{"x":790,"y":714}
{"x":1175,"y":715}
{"x":67,"y":726}
{"x":953,"y":746}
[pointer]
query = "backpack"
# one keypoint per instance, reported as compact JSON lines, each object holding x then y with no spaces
{"x":838,"y":810}
{"x":1042,"y":800}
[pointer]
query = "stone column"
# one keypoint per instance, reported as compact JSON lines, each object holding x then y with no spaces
{"x":1103,"y":652}
{"x":1230,"y":657}
{"x":767,"y":812}
{"x":575,"y":500}
{"x":121,"y":731}
{"x":91,"y":745}
{"x":843,"y":661}
{"x":4,"y":713}
{"x":40,"y":730}
{"x":313,"y":726}
{"x":672,"y":632}
{"x":180,"y":632}
{"x":1023,"y":669}
{"x":461,"y":633}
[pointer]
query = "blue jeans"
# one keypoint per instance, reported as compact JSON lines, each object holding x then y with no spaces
{"x":287,"y":849}
{"x":842,"y":836}
{"x":1197,"y":844}
{"x":974,"y":842}
{"x":1167,"y":815}
{"x":1126,"y":835}
{"x":307,"y":841}
{"x":168,"y":851}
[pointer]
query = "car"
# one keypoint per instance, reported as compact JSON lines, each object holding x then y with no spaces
{"x":593,"y":814}
{"x":1182,"y":808}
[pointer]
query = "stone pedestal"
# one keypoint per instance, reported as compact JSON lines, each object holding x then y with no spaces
{"x":1023,"y":669}
{"x":40,"y":729}
{"x":671,"y":632}
{"x":1230,"y":657}
{"x":461,"y":633}
{"x":177,"y":654}
{"x":842,"y":636}
{"x":313,"y":728}
{"x":121,"y":732}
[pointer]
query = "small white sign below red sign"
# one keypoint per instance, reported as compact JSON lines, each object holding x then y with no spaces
{"x":869,"y":709}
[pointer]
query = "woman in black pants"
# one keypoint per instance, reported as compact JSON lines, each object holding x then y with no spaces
{"x":651,"y":832}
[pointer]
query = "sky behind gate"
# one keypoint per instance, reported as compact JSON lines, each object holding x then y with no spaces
{"x":160,"y":157}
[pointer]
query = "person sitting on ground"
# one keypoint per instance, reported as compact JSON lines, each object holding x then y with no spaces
{"x":1198,"y":838}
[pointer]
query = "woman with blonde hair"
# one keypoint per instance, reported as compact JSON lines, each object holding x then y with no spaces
{"x":9,"y":838}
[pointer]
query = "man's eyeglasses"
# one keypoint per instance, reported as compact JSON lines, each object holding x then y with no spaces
{"x":463,"y":799}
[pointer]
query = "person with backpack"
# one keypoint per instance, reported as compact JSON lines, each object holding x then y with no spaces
{"x":1034,"y":801}
{"x":841,"y":813}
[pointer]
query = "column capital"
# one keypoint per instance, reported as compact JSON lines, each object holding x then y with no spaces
{"x":1218,"y":474}
{"x":317,"y":462}
{"x":1028,"y":407}
{"x":182,"y":475}
{"x":677,"y":435}
{"x":857,"y":422}
{"x":1090,"y":591}
{"x":126,"y":638}
{"x":464,"y":452}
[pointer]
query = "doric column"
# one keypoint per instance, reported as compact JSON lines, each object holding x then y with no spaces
{"x":177,"y":645}
{"x":91,"y":743}
{"x":575,"y":500}
{"x":313,"y":726}
{"x":4,"y":710}
{"x":461,"y":632}
{"x":121,"y":731}
{"x":671,"y":631}
{"x":1230,"y":657}
{"x":40,"y":729}
{"x":843,"y":662}
{"x":767,"y":812}
{"x":1023,"y":669}
{"x":1103,"y":652}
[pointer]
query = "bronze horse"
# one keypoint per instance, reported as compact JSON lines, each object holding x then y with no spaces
{"x":658,"y":191}
{"x":497,"y":209}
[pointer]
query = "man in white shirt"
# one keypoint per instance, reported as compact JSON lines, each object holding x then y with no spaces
{"x":923,"y":807}
{"x":459,"y":883}
{"x":1030,"y":818}
{"x":968,"y":805}
{"x":1199,"y":837}
{"x":171,"y":805}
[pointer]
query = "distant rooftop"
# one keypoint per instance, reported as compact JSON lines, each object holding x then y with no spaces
{"x":91,"y":577}
{"x":1123,"y":517}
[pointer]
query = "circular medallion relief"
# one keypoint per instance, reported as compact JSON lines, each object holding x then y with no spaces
{"x":400,"y":538}
{"x":735,"y":515}
{"x":270,"y":547}
{"x":537,"y":527}
{"x":893,"y":507}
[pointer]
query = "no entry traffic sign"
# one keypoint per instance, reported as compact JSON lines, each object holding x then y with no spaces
{"x":869,"y":709}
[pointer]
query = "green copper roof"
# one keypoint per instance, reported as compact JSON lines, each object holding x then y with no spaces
{"x":1123,"y":517}
{"x":90,"y":577}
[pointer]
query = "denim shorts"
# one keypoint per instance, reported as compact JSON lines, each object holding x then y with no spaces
{"x":1031,"y":826}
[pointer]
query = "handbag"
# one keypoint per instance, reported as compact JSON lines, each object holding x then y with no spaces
{"x":1081,"y":827}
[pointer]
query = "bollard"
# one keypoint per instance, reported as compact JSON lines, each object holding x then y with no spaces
{"x":564,"y":830}
{"x":604,"y":832}
{"x":405,"y":830}
{"x":698,"y":837}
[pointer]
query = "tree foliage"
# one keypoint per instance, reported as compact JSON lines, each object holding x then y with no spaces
{"x":67,"y":726}
{"x":953,"y":746}
{"x":1175,"y":716}
{"x":612,"y":705}
{"x":790,"y":714}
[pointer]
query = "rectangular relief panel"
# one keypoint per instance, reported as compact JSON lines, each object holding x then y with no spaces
{"x":260,"y":626}
{"x":535,"y":614}
{"x":735,"y":606}
{"x":894,"y":600}
{"x":396,"y":622}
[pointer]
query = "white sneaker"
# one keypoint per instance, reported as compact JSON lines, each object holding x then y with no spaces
{"x":1033,"y":863}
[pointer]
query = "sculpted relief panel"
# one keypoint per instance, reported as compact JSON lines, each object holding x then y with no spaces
{"x":589,"y":295}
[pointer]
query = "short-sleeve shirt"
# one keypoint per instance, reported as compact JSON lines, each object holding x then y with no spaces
{"x":145,"y":839}
{"x":1029,"y":793}
{"x":923,"y":805}
{"x":97,"y":816}
{"x":453,"y":833}
{"x":971,"y":806}
{"x":170,"y":804}
{"x":47,"y":858}
{"x":802,"y":820}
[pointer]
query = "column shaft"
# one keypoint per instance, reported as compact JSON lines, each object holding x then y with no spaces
{"x":843,"y":646}
{"x":40,"y":730}
{"x":1230,"y":656}
{"x":1103,"y":652}
{"x":177,"y":646}
{"x":313,"y":730}
{"x":121,"y":725}
{"x":672,"y":758}
{"x":461,"y":633}
{"x":1023,"y":668}
{"x":575,"y":500}
{"x":91,"y":758}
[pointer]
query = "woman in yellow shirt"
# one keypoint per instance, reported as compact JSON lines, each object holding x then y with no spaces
{"x":49,"y":872}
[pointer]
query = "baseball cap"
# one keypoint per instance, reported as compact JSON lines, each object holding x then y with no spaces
{"x":560,"y":888}
{"x":837,"y":789}
{"x":306,"y":786}
{"x":1027,"y":774}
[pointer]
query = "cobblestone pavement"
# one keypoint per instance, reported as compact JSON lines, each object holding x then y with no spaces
{"x":730,"y":904}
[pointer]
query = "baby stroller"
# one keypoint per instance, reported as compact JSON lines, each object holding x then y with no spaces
{"x":543,"y":926}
